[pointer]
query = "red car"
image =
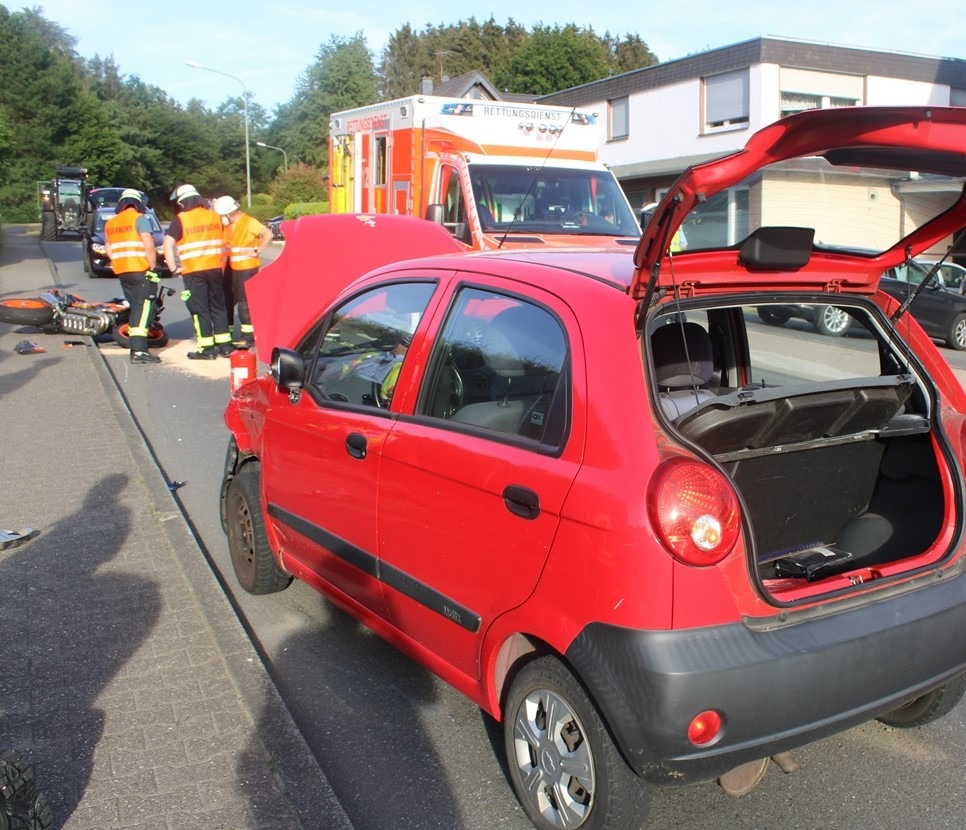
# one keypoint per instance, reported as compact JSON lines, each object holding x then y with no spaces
{"x":657,"y":539}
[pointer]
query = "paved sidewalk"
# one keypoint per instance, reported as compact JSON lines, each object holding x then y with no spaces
{"x":126,"y":676}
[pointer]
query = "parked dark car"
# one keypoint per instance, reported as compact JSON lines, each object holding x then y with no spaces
{"x":96,"y":261}
{"x":655,"y":543}
{"x":939,"y":308}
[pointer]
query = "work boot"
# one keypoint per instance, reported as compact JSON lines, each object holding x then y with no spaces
{"x":225,"y":349}
{"x":204,"y":354}
{"x":144,"y":357}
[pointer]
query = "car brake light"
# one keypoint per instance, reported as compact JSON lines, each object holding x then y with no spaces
{"x":695,"y":511}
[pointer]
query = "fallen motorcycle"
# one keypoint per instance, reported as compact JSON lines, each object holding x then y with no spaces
{"x":57,"y":312}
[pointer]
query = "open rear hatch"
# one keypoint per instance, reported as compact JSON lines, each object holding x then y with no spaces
{"x":847,"y":473}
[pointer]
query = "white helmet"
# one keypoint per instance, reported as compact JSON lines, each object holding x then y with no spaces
{"x":183,"y":192}
{"x":224,"y":205}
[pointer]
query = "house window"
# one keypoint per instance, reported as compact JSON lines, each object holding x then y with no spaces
{"x":618,"y":124}
{"x":793,"y":102}
{"x":726,"y":100}
{"x":809,"y":89}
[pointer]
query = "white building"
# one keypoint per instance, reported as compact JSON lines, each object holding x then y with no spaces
{"x":663,"y":118}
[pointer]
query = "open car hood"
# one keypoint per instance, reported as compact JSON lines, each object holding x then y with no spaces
{"x":322,"y":255}
{"x":750,"y":219}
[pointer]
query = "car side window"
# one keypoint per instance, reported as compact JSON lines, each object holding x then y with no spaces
{"x":500,"y":364}
{"x":364,"y":345}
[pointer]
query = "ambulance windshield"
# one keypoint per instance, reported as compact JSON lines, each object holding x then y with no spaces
{"x":550,"y":200}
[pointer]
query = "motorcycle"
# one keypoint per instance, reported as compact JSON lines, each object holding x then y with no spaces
{"x":58,"y":312}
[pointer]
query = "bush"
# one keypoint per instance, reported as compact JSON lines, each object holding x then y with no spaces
{"x":297,"y":209}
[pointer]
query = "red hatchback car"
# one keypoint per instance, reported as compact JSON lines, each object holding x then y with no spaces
{"x":657,"y":539}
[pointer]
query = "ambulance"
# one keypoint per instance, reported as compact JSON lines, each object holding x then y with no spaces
{"x":494,"y":174}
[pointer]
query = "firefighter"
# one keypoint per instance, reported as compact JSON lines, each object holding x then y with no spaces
{"x":129,"y":241}
{"x":194,"y":248}
{"x":245,"y":238}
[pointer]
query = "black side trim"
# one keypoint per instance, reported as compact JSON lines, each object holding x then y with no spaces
{"x":433,"y":600}
{"x":385,"y":573}
{"x":358,"y":558}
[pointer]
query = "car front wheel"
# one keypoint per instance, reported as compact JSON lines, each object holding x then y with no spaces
{"x":564,"y":765}
{"x":832,"y":321}
{"x":251,"y":556}
{"x":957,"y":333}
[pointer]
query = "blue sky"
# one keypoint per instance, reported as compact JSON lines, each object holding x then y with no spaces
{"x":266,"y":46}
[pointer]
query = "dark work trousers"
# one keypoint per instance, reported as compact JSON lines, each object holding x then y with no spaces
{"x":227,"y":282}
{"x":240,"y":298}
{"x":139,"y":292}
{"x":207,"y":307}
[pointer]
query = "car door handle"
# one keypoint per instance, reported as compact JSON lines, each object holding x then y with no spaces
{"x":521,"y":501}
{"x":356,"y":445}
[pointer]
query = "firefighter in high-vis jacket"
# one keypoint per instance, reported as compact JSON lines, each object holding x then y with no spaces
{"x":194,"y":248}
{"x":245,"y":238}
{"x":129,"y":240}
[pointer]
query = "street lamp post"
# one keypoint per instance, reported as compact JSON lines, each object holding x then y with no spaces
{"x":248,"y":159}
{"x":273,"y":147}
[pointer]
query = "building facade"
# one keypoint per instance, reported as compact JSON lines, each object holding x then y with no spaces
{"x":666,"y":117}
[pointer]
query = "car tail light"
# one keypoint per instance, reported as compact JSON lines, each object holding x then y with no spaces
{"x":705,"y":727}
{"x":695,"y":511}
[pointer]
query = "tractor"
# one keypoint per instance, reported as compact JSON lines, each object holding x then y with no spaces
{"x":63,"y":203}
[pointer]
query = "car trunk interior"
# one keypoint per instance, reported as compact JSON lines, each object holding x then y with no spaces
{"x":834,"y":480}
{"x":839,"y":478}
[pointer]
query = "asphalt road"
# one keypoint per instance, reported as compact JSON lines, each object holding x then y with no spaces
{"x":404,"y":750}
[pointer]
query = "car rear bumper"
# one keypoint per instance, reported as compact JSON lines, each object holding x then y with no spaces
{"x":776,"y":689}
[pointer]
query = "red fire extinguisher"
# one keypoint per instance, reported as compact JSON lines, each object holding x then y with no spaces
{"x":242,"y":367}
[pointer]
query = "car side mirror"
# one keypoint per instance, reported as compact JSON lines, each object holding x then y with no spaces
{"x":435,"y":213}
{"x":288,"y":372}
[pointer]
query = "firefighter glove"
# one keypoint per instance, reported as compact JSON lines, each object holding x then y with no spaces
{"x":152,"y":276}
{"x":186,"y":295}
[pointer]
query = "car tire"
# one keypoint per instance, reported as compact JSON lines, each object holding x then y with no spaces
{"x":832,"y":321}
{"x":956,"y":339}
{"x":772,"y":317}
{"x":251,"y":557}
{"x":551,"y":728}
{"x":929,"y":707}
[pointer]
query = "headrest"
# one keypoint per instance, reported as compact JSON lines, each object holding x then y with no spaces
{"x":524,"y":340}
{"x":683,"y":356}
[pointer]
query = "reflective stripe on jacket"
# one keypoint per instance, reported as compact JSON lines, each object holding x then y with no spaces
{"x":202,"y":244}
{"x":242,"y":237}
{"x":125,"y":243}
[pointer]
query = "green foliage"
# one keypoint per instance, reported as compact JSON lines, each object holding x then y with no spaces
{"x":294,"y":211}
{"x":342,"y":77}
{"x":301,"y":183}
{"x":554,"y":59}
{"x":58,"y":108}
{"x":446,"y":52}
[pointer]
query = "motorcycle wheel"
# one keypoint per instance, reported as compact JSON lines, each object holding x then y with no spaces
{"x":156,"y":336}
{"x":26,"y":311}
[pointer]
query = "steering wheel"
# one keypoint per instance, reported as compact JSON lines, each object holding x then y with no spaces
{"x":448,"y":397}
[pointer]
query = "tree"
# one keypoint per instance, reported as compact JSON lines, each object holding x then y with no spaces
{"x":342,"y":77}
{"x":555,"y":58}
{"x":629,"y":54}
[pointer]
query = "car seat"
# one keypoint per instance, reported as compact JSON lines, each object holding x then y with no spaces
{"x":523,"y":351}
{"x":683,"y":367}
